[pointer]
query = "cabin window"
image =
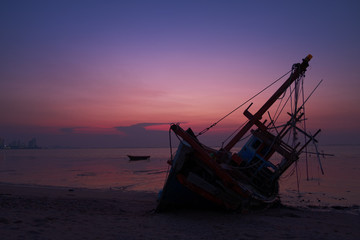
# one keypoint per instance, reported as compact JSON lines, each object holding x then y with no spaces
{"x":256,"y":144}
{"x":256,"y":159}
{"x":272,"y":170}
{"x":264,"y":150}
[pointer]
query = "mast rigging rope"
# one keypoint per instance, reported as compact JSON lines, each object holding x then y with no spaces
{"x":214,"y":124}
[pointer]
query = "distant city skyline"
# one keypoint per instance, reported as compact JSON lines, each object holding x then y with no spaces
{"x":116,"y":73}
{"x":18,"y":144}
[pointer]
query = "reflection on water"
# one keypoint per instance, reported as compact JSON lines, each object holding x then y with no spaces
{"x":338,"y":186}
{"x":89,"y":168}
{"x":110,"y":168}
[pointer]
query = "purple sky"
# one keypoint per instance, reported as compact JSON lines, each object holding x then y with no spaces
{"x":115,"y":73}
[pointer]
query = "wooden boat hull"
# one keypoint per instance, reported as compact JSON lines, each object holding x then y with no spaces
{"x":192,"y":184}
{"x":175,"y":194}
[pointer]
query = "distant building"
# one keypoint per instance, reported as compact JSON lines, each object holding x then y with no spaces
{"x":2,"y":143}
{"x":17,"y":144}
{"x":32,"y":143}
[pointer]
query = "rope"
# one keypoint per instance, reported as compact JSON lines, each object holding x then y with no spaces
{"x":222,"y":144}
{"x":305,"y":138}
{"x":171,"y":157}
{"x":285,"y":104}
{"x":170,"y":143}
{"x":214,"y":124}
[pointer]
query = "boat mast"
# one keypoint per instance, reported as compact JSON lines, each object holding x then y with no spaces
{"x":299,"y":70}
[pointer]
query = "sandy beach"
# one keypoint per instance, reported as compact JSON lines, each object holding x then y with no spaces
{"x":28,"y":212}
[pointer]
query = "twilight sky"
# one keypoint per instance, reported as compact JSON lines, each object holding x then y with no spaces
{"x":116,"y":73}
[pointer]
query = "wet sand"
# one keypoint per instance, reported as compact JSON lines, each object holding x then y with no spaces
{"x":28,"y":212}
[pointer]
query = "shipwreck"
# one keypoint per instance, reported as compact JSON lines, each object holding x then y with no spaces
{"x":203,"y":176}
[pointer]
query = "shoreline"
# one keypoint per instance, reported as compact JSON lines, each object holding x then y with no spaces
{"x":73,"y":213}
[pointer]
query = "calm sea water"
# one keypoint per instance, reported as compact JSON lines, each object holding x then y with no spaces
{"x":110,"y":168}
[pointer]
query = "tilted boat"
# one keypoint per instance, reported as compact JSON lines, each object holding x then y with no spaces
{"x":203,"y":176}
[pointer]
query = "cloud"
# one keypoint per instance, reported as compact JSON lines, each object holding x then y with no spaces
{"x":138,"y":128}
{"x":70,"y":129}
{"x":141,"y":134}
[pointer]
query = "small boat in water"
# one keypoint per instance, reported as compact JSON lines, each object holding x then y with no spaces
{"x":203,"y":176}
{"x":137,"y":158}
